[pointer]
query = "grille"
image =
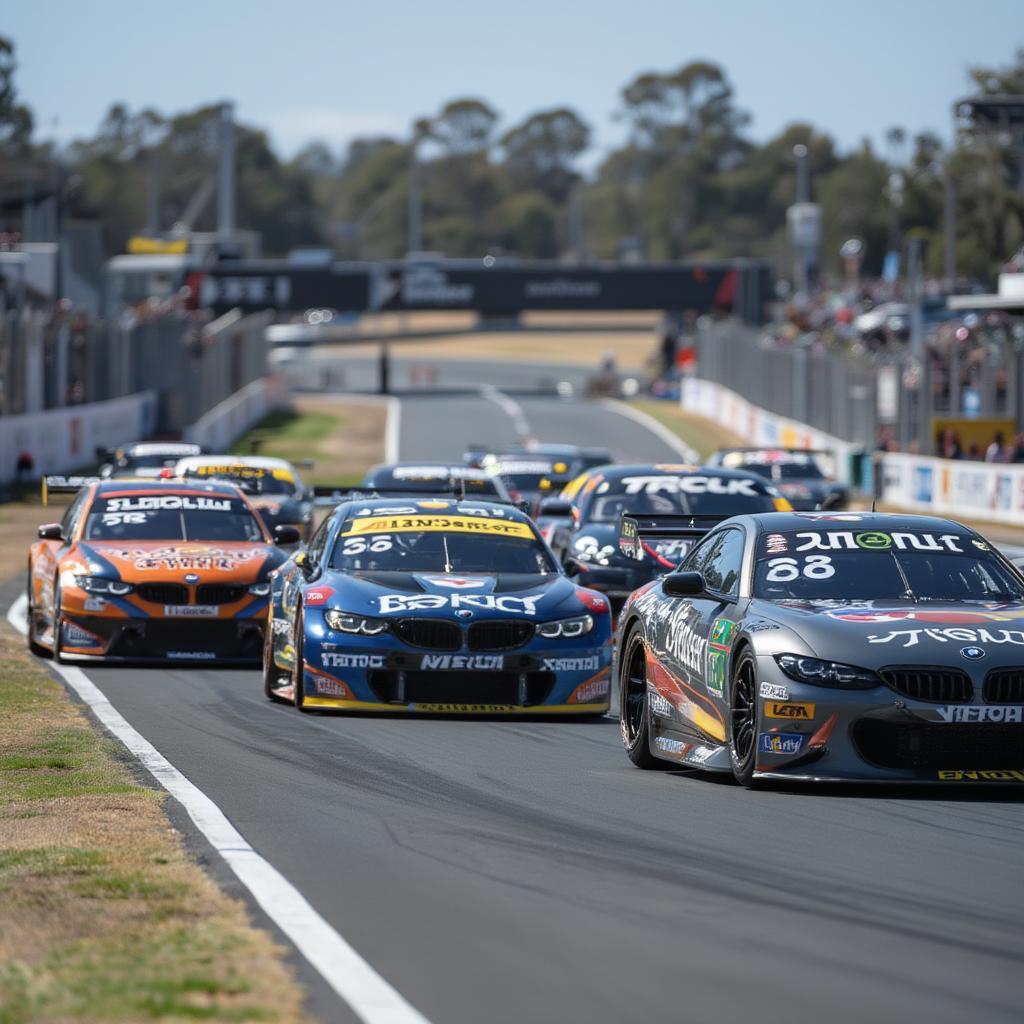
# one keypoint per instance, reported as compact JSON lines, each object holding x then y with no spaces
{"x":462,"y":687}
{"x":218,"y":593}
{"x":228,"y":638}
{"x":433,"y":634}
{"x":1004,"y":686}
{"x":163,"y":593}
{"x":941,"y":685}
{"x":937,"y":746}
{"x":498,"y":635}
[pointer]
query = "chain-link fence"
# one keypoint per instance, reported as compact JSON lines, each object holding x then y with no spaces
{"x":864,"y":396}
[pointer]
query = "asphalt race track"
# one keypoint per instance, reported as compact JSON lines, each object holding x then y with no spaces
{"x":525,"y":871}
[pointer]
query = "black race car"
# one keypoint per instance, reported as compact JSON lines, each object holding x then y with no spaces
{"x":799,"y":474}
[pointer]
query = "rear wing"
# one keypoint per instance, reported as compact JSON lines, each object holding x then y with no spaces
{"x":638,"y":534}
{"x":65,"y":485}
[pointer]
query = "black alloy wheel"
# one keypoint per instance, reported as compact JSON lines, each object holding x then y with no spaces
{"x":633,"y":717}
{"x":743,"y":719}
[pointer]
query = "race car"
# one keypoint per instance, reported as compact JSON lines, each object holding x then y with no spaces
{"x":161,"y":569}
{"x":798,"y":473}
{"x":274,"y":486}
{"x":529,"y":475}
{"x":440,"y":606}
{"x":577,"y":458}
{"x":396,"y":477}
{"x":144,"y":459}
{"x":587,"y":526}
{"x":826,"y":647}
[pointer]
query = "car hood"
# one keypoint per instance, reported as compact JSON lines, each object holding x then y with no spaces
{"x":872,"y":634}
{"x":438,"y":595}
{"x":139,"y":561}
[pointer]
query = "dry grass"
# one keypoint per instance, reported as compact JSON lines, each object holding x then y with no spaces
{"x":343,"y":436}
{"x":703,"y":434}
{"x":19,"y":520}
{"x":103,"y":914}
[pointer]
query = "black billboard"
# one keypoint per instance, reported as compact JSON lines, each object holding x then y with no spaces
{"x":500,"y":290}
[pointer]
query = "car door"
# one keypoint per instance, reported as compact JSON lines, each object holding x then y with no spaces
{"x":718,"y":610}
{"x":46,"y":565}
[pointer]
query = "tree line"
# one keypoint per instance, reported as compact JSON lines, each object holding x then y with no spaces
{"x":688,"y":182}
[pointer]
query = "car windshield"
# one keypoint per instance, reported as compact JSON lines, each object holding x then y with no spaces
{"x":672,"y":495}
{"x":863,"y":565}
{"x":526,"y":476}
{"x":782,"y":467}
{"x":457,"y":543}
{"x":257,"y":479}
{"x":146,"y":461}
{"x":171,"y":517}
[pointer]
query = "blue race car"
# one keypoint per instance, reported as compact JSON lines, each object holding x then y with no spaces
{"x":438,"y":605}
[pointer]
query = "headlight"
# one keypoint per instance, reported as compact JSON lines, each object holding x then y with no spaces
{"x":827,"y":673}
{"x":260,"y":589}
{"x":569,"y":628}
{"x":347,"y":623}
{"x":100,"y":585}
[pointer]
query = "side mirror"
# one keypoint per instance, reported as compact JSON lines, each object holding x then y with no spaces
{"x":286,"y":535}
{"x":51,"y":531}
{"x":556,"y":507}
{"x":573,"y":566}
{"x":682,"y":584}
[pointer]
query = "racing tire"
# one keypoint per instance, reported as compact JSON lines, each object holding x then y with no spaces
{"x":34,"y":646}
{"x":634,"y":719}
{"x":271,"y":673}
{"x":57,"y":655}
{"x":743,"y":719}
{"x":298,"y":670}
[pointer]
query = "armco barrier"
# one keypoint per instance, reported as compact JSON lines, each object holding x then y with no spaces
{"x":758,"y":426}
{"x":60,"y":440}
{"x":226,"y":422}
{"x":971,"y":490}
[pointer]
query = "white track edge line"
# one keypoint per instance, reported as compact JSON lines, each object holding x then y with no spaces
{"x":509,"y":406}
{"x":677,"y":444}
{"x":371,"y":998}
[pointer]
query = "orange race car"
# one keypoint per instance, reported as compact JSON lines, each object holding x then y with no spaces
{"x":153,"y":570}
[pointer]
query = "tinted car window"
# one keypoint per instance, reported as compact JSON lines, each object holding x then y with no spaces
{"x":670,"y":495}
{"x":171,"y":517}
{"x":721,"y":568}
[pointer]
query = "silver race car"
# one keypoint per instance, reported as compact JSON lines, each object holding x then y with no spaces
{"x":826,"y":646}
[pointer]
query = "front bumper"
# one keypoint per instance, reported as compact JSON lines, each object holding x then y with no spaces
{"x":824,"y":734}
{"x":105,"y":638}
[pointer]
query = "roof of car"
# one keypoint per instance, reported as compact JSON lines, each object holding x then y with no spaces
{"x":618,"y":471}
{"x":252,"y":461}
{"x":882,"y":522}
{"x":157,"y":486}
{"x":141,"y":448}
{"x":431,"y":506}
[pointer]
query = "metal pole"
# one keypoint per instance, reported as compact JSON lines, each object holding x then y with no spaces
{"x":153,"y":193}
{"x":949,"y":225}
{"x":803,"y":195}
{"x":914,"y":261}
{"x":415,"y":242}
{"x":226,"y":176}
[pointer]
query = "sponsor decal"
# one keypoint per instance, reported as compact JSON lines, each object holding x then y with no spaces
{"x":329,"y":687}
{"x":167,"y":502}
{"x":591,"y":691}
{"x":191,"y":611}
{"x":469,"y":709}
{"x":975,"y":713}
{"x":793,"y":711}
{"x":912,"y":637}
{"x":831,"y":517}
{"x":75,"y":636}
{"x":719,"y":646}
{"x":175,"y":558}
{"x":776,"y":544}
{"x":699,"y":755}
{"x":761,"y":627}
{"x":980,"y":544}
{"x":454,"y":582}
{"x":463,"y":662}
{"x":465,"y":602}
{"x":848,"y":540}
{"x":593,"y":601}
{"x":95,"y":604}
{"x":439,"y":524}
{"x":957,"y":617}
{"x":670,"y":746}
{"x":772,"y":691}
{"x":588,"y":664}
{"x":317,"y":596}
{"x":192,"y":655}
{"x":280,"y":627}
{"x":780,"y":742}
{"x":659,"y":705}
{"x":993,"y":775}
{"x":687,"y":485}
{"x":331,"y":660}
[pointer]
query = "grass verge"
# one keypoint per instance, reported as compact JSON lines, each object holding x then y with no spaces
{"x":343,"y":437}
{"x":103,"y":914}
{"x":703,"y":434}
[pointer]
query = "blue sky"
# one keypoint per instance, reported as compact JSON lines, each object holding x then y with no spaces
{"x":333,"y":70}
